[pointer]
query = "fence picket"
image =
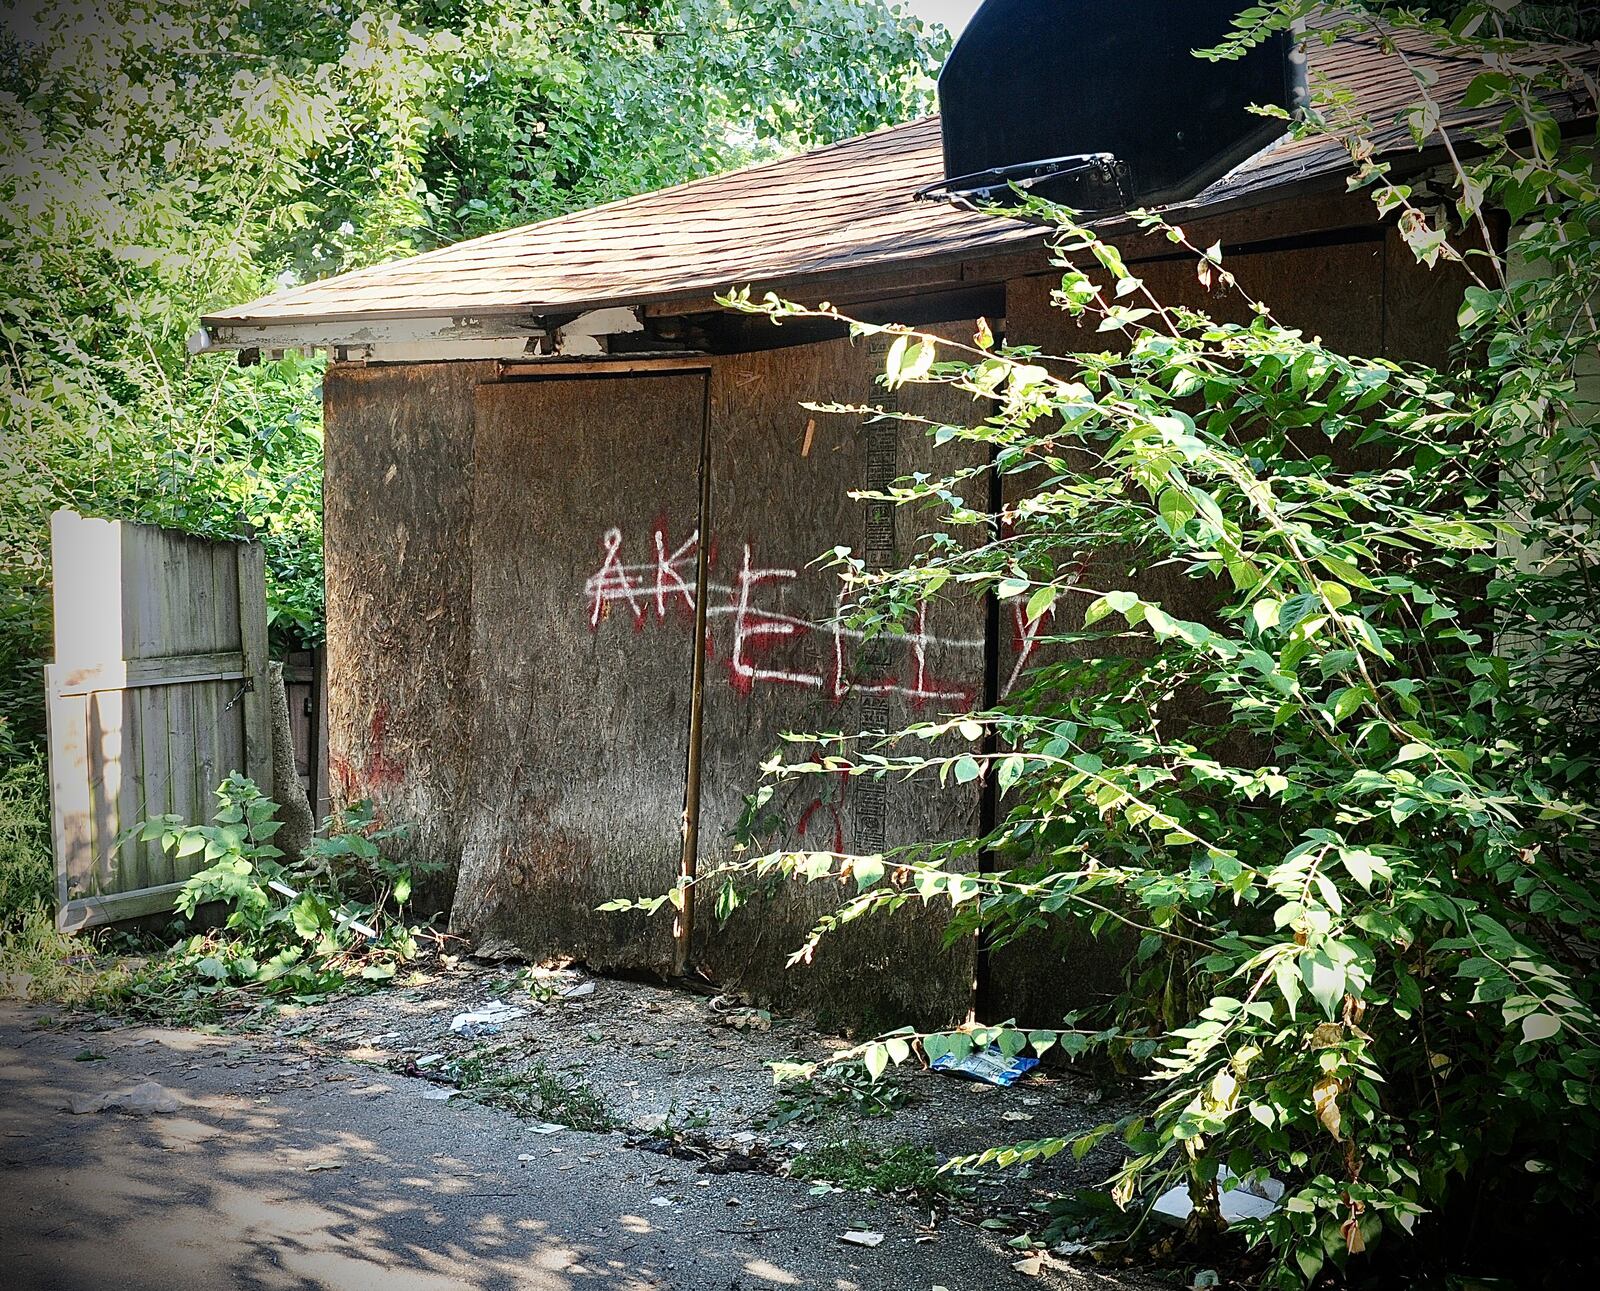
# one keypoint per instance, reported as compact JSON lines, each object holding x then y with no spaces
{"x":158,"y":692}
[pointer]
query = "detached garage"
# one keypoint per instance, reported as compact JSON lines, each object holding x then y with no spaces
{"x":572,"y":505}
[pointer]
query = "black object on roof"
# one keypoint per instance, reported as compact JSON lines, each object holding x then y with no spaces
{"x":1101,"y":104}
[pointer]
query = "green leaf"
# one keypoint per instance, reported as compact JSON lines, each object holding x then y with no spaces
{"x":1265,"y":613}
{"x":1545,"y":130}
{"x":1010,"y":770}
{"x":1324,"y":980}
{"x":1286,"y":975}
{"x":1364,"y":866}
{"x":1345,"y":572}
{"x":894,"y":360}
{"x":311,"y":916}
{"x":1343,"y":703}
{"x":1040,"y":602}
{"x":966,"y":769}
{"x":866,"y":870}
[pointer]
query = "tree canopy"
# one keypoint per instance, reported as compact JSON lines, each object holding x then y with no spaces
{"x":162,"y":157}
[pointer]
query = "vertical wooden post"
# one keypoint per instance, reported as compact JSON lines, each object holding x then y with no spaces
{"x":253,"y":646}
{"x":689,"y":861}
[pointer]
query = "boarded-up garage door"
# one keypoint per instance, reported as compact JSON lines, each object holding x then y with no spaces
{"x":586,"y":501}
{"x":781,"y":479}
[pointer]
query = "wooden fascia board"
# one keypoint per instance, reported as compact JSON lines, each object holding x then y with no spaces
{"x":367,"y":332}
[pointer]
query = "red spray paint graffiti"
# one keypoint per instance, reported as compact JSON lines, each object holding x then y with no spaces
{"x":377,"y":771}
{"x":759,"y":636}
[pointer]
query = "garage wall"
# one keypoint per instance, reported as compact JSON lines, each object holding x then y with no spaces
{"x":397,"y":507}
{"x":781,"y":478}
{"x":583,"y":517}
{"x":510,"y":592}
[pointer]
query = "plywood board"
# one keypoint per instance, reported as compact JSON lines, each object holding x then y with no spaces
{"x":781,"y":478}
{"x":584,"y":531}
{"x":397,"y":526}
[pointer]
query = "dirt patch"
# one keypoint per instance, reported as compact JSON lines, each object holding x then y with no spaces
{"x":691,"y":1077}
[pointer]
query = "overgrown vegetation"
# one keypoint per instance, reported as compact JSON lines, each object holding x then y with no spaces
{"x":1338,"y":778}
{"x":903,"y":1167}
{"x":161,"y":158}
{"x":296,"y":928}
{"x":809,"y":1093}
{"x":40,"y":964}
{"x":533,"y":1091}
{"x":26,"y":872}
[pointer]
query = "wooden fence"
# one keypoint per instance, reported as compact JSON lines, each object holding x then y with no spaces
{"x":304,"y":675}
{"x":157,"y":693}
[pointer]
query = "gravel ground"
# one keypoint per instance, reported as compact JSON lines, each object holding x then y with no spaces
{"x":261,"y":1162}
{"x":678,"y":1070}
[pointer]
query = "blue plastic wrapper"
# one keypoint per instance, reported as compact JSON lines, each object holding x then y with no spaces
{"x":990,"y":1066}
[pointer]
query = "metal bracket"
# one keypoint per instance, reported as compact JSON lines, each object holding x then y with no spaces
{"x":984,"y":189}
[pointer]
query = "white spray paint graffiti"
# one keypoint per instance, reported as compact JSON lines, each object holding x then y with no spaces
{"x":667,"y":584}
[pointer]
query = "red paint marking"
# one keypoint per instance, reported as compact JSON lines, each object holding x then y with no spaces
{"x":382,"y":771}
{"x":757,"y":634}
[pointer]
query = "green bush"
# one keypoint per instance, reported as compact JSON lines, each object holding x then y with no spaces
{"x":297,"y":927}
{"x":1341,"y":786}
{"x":27,"y":880}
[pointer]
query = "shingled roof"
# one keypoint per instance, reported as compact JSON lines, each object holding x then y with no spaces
{"x":848,"y":205}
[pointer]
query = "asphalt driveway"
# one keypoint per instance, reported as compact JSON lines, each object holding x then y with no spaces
{"x":277,"y":1170}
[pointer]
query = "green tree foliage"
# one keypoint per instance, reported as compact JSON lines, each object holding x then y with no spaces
{"x":162,"y":157}
{"x":1340,"y":790}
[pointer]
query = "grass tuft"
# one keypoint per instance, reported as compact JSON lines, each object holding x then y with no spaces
{"x":902,"y":1167}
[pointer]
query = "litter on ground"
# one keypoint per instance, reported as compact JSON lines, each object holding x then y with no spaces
{"x":143,"y":1099}
{"x":486,"y":1019}
{"x":990,"y":1066}
{"x":1255,"y":1199}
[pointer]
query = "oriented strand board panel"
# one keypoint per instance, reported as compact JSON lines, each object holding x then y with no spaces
{"x":584,"y":518}
{"x":1335,"y":291}
{"x":397,"y":503}
{"x":780,"y":483}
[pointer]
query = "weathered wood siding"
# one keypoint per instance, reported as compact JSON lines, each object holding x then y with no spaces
{"x":157,"y":693}
{"x":397,"y":522}
{"x":584,"y":529}
{"x":780,"y":483}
